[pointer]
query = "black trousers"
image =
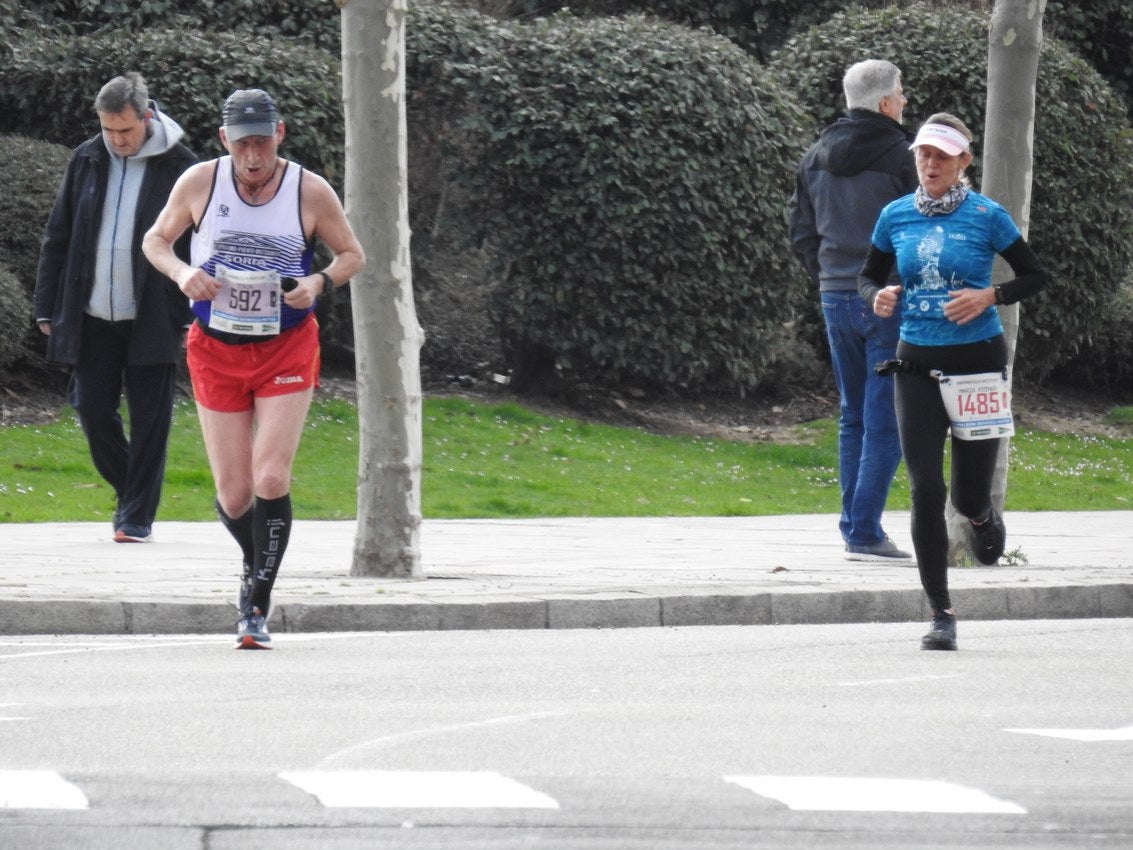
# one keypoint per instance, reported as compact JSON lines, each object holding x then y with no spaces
{"x":134,"y":467}
{"x":923,"y":423}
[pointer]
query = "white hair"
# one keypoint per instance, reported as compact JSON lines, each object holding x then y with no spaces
{"x":866,"y":83}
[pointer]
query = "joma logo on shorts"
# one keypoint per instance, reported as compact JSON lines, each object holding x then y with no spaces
{"x":291,"y":379}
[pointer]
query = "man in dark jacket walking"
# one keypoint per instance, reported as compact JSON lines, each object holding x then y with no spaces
{"x":107,"y":313}
{"x":860,"y":163}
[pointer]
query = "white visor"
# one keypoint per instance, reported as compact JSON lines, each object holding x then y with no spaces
{"x":948,"y":139}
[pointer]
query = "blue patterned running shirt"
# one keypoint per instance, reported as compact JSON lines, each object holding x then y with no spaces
{"x":938,"y":254}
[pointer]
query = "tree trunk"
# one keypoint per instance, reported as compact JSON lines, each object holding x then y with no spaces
{"x":1014,"y":43}
{"x":386,"y":333}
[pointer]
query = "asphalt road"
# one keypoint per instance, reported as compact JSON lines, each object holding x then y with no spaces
{"x":720,"y":737}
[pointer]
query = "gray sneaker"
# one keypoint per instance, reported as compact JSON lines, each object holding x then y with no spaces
{"x":252,"y":631}
{"x":886,"y":550}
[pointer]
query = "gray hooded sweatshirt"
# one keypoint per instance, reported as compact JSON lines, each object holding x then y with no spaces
{"x":112,"y":296}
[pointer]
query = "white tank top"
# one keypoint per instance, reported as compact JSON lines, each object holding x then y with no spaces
{"x":238,"y":235}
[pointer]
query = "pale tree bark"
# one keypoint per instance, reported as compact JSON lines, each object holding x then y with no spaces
{"x":387,"y":336}
{"x":1014,"y":44}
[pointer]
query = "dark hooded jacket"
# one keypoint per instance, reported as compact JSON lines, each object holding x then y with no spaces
{"x":859,"y":164}
{"x":68,"y":251}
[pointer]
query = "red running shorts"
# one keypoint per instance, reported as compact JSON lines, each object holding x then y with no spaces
{"x":229,"y":378}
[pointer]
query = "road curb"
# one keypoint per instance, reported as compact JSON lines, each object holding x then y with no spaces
{"x":601,"y":610}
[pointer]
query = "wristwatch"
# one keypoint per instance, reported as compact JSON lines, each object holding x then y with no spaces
{"x":328,"y":283}
{"x":999,"y":293}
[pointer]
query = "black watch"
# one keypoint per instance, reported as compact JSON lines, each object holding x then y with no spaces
{"x":328,"y":283}
{"x":999,"y":294}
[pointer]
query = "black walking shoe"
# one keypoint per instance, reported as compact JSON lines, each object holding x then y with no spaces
{"x":990,"y":538}
{"x":943,"y":633}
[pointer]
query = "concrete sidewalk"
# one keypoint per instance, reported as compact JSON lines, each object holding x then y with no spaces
{"x":71,"y":578}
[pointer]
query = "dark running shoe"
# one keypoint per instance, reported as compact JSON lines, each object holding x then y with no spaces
{"x":943,"y":633}
{"x":252,"y":631}
{"x":990,"y":538}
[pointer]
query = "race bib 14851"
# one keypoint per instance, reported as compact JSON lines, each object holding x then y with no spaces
{"x":978,"y":405}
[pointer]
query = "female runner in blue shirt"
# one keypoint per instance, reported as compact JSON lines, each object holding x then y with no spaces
{"x":943,"y":238}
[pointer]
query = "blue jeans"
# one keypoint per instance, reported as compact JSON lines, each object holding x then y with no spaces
{"x":869,"y":448}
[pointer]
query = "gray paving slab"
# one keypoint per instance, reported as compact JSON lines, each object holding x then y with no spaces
{"x":71,"y":578}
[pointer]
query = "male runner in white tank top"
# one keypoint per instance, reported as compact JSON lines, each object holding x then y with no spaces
{"x":253,"y":352}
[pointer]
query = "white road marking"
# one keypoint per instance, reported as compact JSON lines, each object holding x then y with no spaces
{"x":72,"y":649}
{"x":412,"y":734}
{"x":43,"y":789}
{"x":902,"y":681}
{"x":1122,"y":734}
{"x":396,"y":789}
{"x":11,"y":705}
{"x":151,"y":642}
{"x":38,"y":789}
{"x":861,"y":794}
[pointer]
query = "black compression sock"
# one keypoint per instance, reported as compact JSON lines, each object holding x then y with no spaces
{"x":241,"y":530}
{"x":271,"y":529}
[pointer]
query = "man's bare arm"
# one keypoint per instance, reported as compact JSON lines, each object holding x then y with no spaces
{"x":333,"y":229}
{"x":185,"y":204}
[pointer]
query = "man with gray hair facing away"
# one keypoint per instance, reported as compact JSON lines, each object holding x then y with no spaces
{"x":860,"y":163}
{"x":107,"y":313}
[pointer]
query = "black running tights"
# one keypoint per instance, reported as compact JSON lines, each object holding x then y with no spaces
{"x":923,"y":425}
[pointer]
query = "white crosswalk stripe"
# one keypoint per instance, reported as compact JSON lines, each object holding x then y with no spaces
{"x":393,"y":789}
{"x":860,"y":794}
{"x":38,"y":789}
{"x":1124,"y":733}
{"x":8,"y":706}
{"x":418,"y":789}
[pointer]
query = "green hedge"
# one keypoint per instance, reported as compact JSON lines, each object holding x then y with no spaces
{"x":758,"y":26}
{"x":315,"y":21}
{"x":1082,"y":201}
{"x":48,"y":89}
{"x":1103,"y":361}
{"x":15,"y":319}
{"x":30,"y":174}
{"x":632,"y":180}
{"x":1100,"y":31}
